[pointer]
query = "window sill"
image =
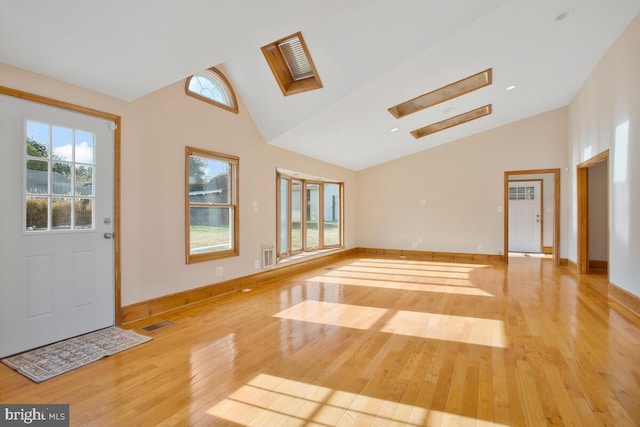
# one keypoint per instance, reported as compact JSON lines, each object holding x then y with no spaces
{"x":306,"y":255}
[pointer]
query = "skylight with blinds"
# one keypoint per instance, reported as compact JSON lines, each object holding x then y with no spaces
{"x":295,"y":58}
{"x":291,"y":65}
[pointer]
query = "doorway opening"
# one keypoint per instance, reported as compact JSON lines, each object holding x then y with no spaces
{"x":532,"y":182}
{"x":593,"y":214}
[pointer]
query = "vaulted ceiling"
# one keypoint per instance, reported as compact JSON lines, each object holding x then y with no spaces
{"x":369,"y":54}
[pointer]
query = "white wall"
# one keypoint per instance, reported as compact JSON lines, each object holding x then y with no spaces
{"x":155,"y":130}
{"x":462,"y":186}
{"x":606,"y":115}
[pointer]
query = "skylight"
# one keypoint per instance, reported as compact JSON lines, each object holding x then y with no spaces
{"x":445,"y":93}
{"x":291,"y":65}
{"x":451,"y":122}
{"x":296,"y":58}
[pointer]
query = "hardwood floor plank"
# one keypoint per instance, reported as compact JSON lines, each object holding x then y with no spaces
{"x":485,"y":386}
{"x":501,"y":403}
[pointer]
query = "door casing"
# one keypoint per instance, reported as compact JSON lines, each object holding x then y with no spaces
{"x":556,"y":210}
{"x":582,"y":176}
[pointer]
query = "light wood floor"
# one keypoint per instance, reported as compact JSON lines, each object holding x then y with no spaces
{"x":374,"y":341}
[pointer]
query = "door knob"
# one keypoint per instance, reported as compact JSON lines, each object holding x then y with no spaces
{"x":108,"y":236}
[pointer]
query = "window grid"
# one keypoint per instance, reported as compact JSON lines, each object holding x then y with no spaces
{"x":59,"y":178}
{"x":213,"y":87}
{"x":522,"y":193}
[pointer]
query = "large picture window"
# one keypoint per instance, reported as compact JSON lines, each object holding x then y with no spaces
{"x":211,"y":205}
{"x":309,"y":214}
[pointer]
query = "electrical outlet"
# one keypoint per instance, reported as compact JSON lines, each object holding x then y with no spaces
{"x":219,"y":271}
{"x":257,"y":263}
{"x":480,"y":247}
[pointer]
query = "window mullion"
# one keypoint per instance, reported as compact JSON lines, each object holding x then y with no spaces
{"x":74,"y":191}
{"x":49,"y":192}
{"x":290,"y":216}
{"x":303,"y":215}
{"x":321,"y":215}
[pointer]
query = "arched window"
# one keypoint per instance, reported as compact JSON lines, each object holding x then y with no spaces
{"x":213,"y":87}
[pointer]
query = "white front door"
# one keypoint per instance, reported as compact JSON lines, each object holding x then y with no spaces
{"x":57,"y":258}
{"x":525,"y":216}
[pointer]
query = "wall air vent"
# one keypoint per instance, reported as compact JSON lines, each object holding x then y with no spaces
{"x":157,"y":325}
{"x":445,"y":93}
{"x":451,"y":122}
{"x":268,"y":258}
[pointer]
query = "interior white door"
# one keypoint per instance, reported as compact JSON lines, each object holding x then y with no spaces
{"x":57,"y":257}
{"x":525,"y":216}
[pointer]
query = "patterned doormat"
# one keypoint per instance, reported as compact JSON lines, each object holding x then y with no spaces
{"x":55,"y":359}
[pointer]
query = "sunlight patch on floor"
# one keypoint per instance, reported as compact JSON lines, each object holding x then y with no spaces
{"x":452,"y":268}
{"x":330,"y":313}
{"x":417,"y":263}
{"x":439,"y":273}
{"x":406,"y":286}
{"x":272,"y":400}
{"x":421,"y":278}
{"x":469,"y":330}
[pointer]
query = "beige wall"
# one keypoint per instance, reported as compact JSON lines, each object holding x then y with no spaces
{"x":605,"y":115}
{"x":598,"y":212}
{"x":447,"y":198}
{"x":155,"y":130}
